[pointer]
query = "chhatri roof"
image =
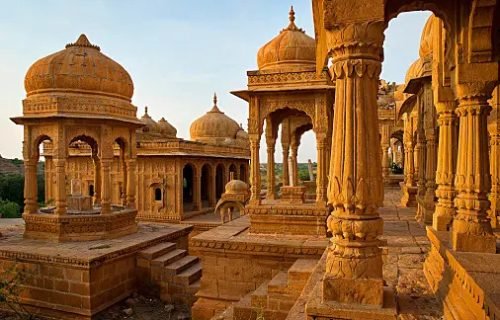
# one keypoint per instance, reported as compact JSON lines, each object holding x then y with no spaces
{"x":291,"y":49}
{"x":80,"y":68}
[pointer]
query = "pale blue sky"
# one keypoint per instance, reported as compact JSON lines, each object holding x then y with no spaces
{"x":177,"y":52}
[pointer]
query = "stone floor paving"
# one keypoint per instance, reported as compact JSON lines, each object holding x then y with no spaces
{"x":406,"y":249}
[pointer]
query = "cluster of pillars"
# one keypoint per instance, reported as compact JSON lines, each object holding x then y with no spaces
{"x":102,"y":183}
{"x":354,"y":260}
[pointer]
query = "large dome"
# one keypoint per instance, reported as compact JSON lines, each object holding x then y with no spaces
{"x":214,"y":126}
{"x":427,"y":37}
{"x":79,"y":68}
{"x":292,"y":48}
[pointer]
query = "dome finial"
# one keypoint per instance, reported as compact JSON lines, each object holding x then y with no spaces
{"x":292,"y":26}
{"x":146,"y":110}
{"x":215,"y":108}
{"x":291,"y":15}
{"x":83,"y":41}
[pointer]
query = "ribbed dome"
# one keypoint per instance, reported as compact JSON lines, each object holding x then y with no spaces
{"x":80,"y":68}
{"x":236,"y":187}
{"x":214,"y":126}
{"x":292,"y":48}
{"x":166,"y":129}
{"x":426,"y":37}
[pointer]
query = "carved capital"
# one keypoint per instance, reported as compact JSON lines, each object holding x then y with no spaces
{"x":362,"y":40}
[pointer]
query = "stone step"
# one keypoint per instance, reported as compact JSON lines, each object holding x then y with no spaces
{"x":180,"y":265}
{"x":299,"y":273}
{"x":157,"y":250}
{"x":194,"y":287}
{"x":278,"y":283}
{"x":189,"y":276}
{"x":169,"y":258}
{"x":259,"y":296}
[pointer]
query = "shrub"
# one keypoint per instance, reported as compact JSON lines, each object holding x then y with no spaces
{"x":9,"y":209}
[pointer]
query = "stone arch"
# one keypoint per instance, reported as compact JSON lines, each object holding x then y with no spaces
{"x":281,"y":111}
{"x":206,"y":179}
{"x":188,"y":176}
{"x":395,"y":7}
{"x":481,"y":43}
{"x":35,"y":145}
{"x":220,"y":180}
{"x":243,"y":173}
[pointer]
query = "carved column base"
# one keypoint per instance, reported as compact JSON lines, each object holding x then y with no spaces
{"x":442,"y":216}
{"x":409,"y":198}
{"x":364,"y":291}
{"x":465,"y":239}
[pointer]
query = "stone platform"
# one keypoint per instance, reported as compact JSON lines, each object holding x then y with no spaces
{"x":236,"y":262}
{"x":76,"y":280}
{"x":282,"y":217}
{"x":467,"y":283}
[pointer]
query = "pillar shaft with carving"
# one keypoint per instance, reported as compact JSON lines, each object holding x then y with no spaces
{"x":131,"y":182}
{"x":471,"y":231}
{"x":30,"y":186}
{"x":321,"y":173}
{"x":354,"y":260}
{"x":106,"y":185}
{"x":494,"y":129}
{"x":271,"y":183}
{"x":294,"y":165}
{"x":445,"y":192}
{"x":286,"y":173}
{"x":197,"y":190}
{"x":385,"y":143}
{"x":409,"y":188}
{"x":60,"y":194}
{"x":97,"y":179}
{"x":255,"y":168}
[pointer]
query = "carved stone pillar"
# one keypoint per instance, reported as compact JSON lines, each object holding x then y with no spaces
{"x":385,"y":143}
{"x":270,"y":168}
{"x":294,"y":165}
{"x":255,"y":168}
{"x":30,"y":186}
{"x":97,"y":180}
{"x":60,"y":194}
{"x":422,"y":150}
{"x":471,"y":230}
{"x":106,"y":185}
{"x":321,"y":147}
{"x":354,"y":261}
{"x":212,"y":197}
{"x":131,"y":182}
{"x":286,"y":174}
{"x":494,"y":129}
{"x":409,"y":187}
{"x":445,"y":208}
{"x":197,"y":190}
{"x":430,"y":159}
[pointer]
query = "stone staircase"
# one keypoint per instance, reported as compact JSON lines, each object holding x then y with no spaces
{"x":274,"y":299}
{"x":169,"y":272}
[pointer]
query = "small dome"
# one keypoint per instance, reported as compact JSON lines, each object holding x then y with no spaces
{"x":150,"y":126}
{"x":292,"y":48}
{"x":214,"y":126}
{"x":242,"y":134}
{"x":427,"y":36}
{"x":79,"y":68}
{"x":414,"y":70}
{"x":166,"y":129}
{"x":236,"y":187}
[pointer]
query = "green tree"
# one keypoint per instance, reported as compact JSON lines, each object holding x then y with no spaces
{"x":9,"y":209}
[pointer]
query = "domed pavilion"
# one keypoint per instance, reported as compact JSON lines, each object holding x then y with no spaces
{"x":79,"y":97}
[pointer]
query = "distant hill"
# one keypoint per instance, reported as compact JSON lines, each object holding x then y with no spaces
{"x":10,"y":166}
{"x":15,"y":166}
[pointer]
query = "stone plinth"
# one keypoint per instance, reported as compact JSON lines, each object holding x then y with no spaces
{"x":409,"y":198}
{"x":282,"y":217}
{"x":293,"y":194}
{"x":79,"y":279}
{"x":236,"y":262}
{"x":466,"y":283}
{"x":79,"y":203}
{"x":80,"y":227}
{"x":425,"y":210}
